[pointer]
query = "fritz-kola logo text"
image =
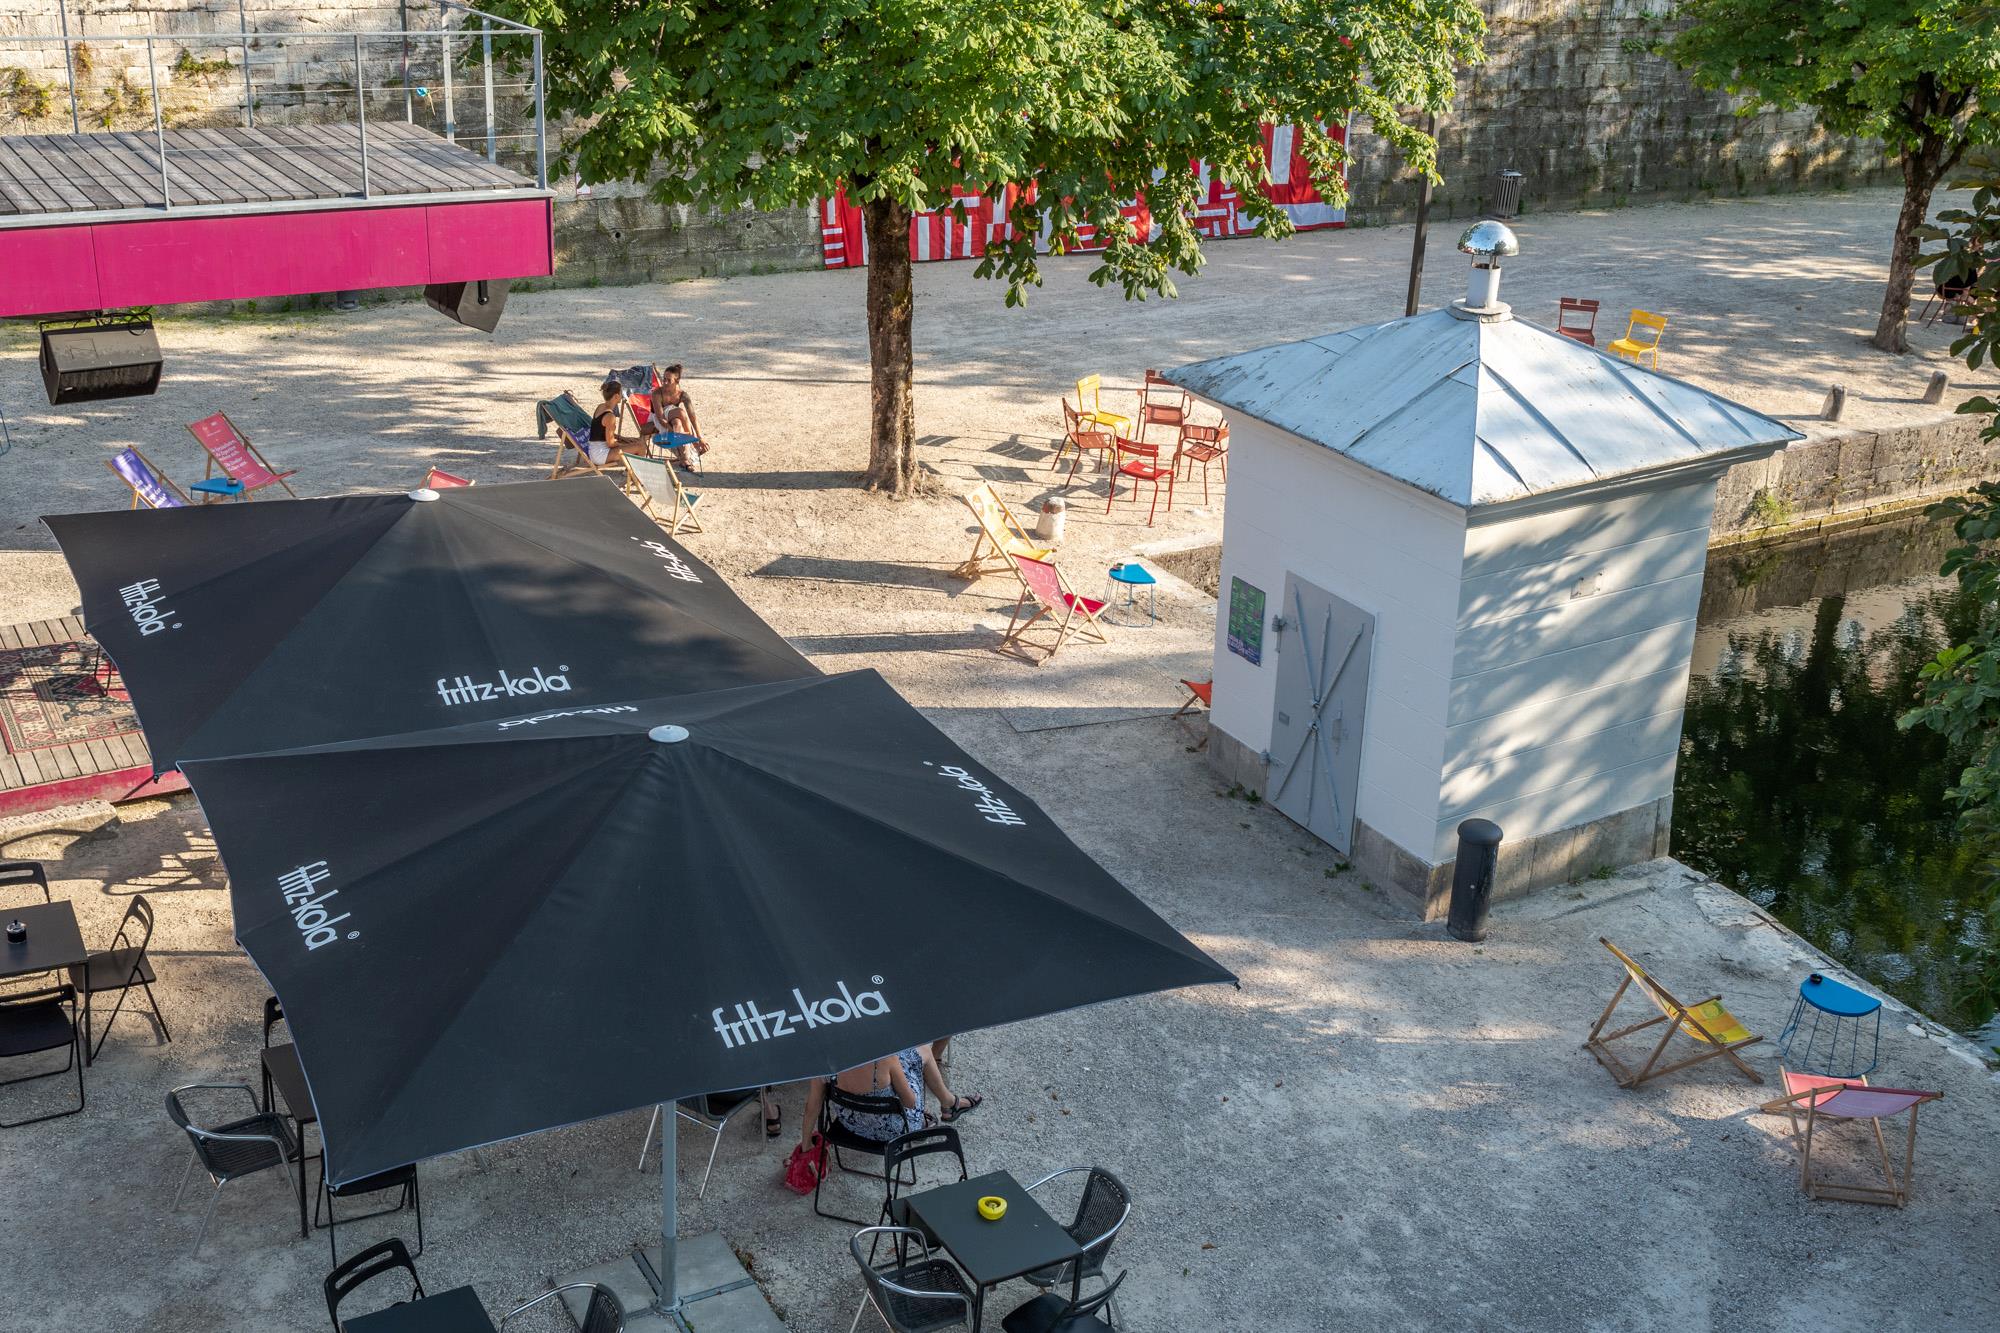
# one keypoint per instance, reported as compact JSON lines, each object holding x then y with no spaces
{"x":989,"y":803}
{"x":466,"y":690}
{"x":316,"y":922}
{"x":142,"y":603}
{"x":754,"y":1024}
{"x":676,"y":567}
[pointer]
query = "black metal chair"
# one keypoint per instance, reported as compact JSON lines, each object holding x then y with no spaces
{"x":1100,"y":1214}
{"x":1050,"y":1313}
{"x":838,"y":1135}
{"x":939,"y":1140}
{"x":912,"y":1295}
{"x":19,"y":882}
{"x":713,"y":1113}
{"x":235,"y":1149}
{"x":382,"y":1257}
{"x":602,"y":1315}
{"x":402,"y":1178}
{"x":32,"y":1022}
{"x":119,"y":968}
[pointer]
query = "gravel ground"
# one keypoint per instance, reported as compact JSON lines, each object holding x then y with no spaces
{"x":1382,"y":1128}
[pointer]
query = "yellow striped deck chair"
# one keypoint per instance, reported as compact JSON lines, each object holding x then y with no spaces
{"x":1712,"y":1027}
{"x":1001,"y":536}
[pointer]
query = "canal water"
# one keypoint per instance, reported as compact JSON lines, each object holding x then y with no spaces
{"x":1795,"y":786}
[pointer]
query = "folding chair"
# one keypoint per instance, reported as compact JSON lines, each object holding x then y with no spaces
{"x":1042,"y":582}
{"x":1577,"y":318}
{"x":999,"y":530}
{"x":1707,"y":1022}
{"x":1090,"y":407}
{"x":1829,"y":1101}
{"x":438,"y":479}
{"x":1635,"y":346}
{"x":120,"y":968}
{"x":656,"y":480}
{"x":572,"y":425}
{"x":230,"y":449}
{"x":1199,"y":692}
{"x":150,"y":486}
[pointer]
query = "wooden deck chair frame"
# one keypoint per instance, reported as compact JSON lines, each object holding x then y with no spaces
{"x":277,"y":477}
{"x":1894,"y":1192}
{"x":161,"y":477}
{"x":1073,"y":613}
{"x":567,"y":441}
{"x":683,"y":517}
{"x":1677,"y":1016}
{"x":1000,"y":531}
{"x":1200,"y":692}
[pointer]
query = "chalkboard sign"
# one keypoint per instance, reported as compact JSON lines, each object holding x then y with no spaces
{"x":1246,"y":621}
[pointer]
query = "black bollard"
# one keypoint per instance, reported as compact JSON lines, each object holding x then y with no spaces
{"x":1472,"y":879}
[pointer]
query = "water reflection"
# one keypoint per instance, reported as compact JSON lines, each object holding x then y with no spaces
{"x":1796,"y":788}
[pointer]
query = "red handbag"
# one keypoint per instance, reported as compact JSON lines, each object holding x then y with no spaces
{"x":806,"y":1165}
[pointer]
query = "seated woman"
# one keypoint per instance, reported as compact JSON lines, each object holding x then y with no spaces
{"x":604,"y":426}
{"x":674,"y":420}
{"x":903,"y":1075}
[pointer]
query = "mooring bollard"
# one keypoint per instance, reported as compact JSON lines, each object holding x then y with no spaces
{"x":1472,"y":879}
{"x":1049,"y":526}
{"x":1934,"y":391}
{"x":1836,"y":403}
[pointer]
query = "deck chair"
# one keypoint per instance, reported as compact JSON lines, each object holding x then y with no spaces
{"x":639,"y":382}
{"x":150,"y":486}
{"x":1827,"y":1101}
{"x":655,"y":481}
{"x":1200,"y":692}
{"x":1043,"y":584}
{"x":230,"y":449}
{"x":1001,"y":535}
{"x":572,"y":425}
{"x":1717,"y":1030}
{"x":438,"y":479}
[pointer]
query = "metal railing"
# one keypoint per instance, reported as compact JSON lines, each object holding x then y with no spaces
{"x":502,"y":58}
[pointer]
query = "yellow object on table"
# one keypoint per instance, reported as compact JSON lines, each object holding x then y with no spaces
{"x":992,"y":1208}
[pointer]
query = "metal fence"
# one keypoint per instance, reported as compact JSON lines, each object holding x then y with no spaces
{"x":474,"y":78}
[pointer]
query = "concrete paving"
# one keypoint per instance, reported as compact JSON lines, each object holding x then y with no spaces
{"x":1382,"y":1128}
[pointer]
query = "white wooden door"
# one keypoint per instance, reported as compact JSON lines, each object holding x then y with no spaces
{"x":1323,"y":653}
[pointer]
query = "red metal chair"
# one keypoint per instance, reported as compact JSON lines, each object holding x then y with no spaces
{"x":1203,"y":445}
{"x":1161,"y":404}
{"x":1099,"y":442}
{"x":1569,"y":312}
{"x":1142,"y":465}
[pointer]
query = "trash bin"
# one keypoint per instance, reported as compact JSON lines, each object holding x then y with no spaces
{"x":1507,"y":194}
{"x":1049,"y":526}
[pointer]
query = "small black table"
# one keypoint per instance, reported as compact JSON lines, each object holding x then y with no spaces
{"x":53,"y":941}
{"x":454,"y":1311}
{"x":1024,"y":1240}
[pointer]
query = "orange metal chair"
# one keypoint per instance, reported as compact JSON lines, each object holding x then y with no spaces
{"x":1161,"y":404}
{"x":1203,"y":445}
{"x":1143,"y":464}
{"x":1577,"y":318}
{"x":1083,"y":439}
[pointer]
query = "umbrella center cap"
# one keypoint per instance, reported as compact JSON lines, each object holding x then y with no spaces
{"x":668,"y":734}
{"x":423,"y":494}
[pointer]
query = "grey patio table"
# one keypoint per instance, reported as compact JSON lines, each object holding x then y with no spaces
{"x":53,"y":942}
{"x":454,"y":1311}
{"x":1024,"y":1240}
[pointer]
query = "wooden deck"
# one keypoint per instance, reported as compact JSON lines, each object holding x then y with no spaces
{"x":109,"y":765}
{"x":44,"y":174}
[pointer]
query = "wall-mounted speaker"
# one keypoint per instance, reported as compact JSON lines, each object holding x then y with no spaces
{"x":474,"y":304}
{"x":111,"y":360}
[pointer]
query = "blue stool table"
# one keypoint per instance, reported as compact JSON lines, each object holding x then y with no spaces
{"x":1135,"y":576}
{"x":217,"y":488}
{"x":1831,"y":1017}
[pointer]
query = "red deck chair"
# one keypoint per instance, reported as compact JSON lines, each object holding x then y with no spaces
{"x":1143,"y":464}
{"x":437,"y":479}
{"x":1834,"y":1100}
{"x":1043,"y":583}
{"x":1199,"y":692}
{"x":1203,"y":445}
{"x":1577,"y":318}
{"x":1161,"y":404}
{"x":230,"y":449}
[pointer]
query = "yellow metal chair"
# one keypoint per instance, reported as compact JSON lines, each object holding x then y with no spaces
{"x":1090,"y":407}
{"x":1634,"y":346}
{"x":1001,"y":535}
{"x":1717,"y":1030}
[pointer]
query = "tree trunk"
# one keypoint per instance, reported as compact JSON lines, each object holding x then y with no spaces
{"x":1923,"y":166}
{"x":892,"y":420}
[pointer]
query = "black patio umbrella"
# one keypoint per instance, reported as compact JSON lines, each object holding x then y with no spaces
{"x":248,"y":627}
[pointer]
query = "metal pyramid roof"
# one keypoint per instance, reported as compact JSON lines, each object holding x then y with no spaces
{"x":1481,"y":410}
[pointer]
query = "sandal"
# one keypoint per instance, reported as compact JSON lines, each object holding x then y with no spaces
{"x":963,"y":1106}
{"x":774,"y":1123}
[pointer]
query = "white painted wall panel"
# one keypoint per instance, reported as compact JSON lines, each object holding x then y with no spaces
{"x":1550,"y":534}
{"x":1576,"y":802}
{"x":1574,"y":622}
{"x":1542,"y":679}
{"x":1565,"y":719}
{"x":1517,"y":592}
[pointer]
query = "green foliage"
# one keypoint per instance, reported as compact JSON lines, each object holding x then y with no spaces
{"x":1967,"y":242}
{"x":25,"y":95}
{"x":187,"y":65}
{"x":1770,"y":510}
{"x":1093,"y":100}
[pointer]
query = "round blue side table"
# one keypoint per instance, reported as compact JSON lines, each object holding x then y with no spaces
{"x":1135,"y":576}
{"x":1831,"y":1018}
{"x":217,"y":488}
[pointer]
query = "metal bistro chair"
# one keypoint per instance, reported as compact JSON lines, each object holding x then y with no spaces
{"x":1100,"y":1214}
{"x":19,"y":882}
{"x":1161,"y":403}
{"x":121,"y":967}
{"x":382,"y":1257}
{"x":235,"y":1149}
{"x":713,"y":1113}
{"x":838,"y":1136}
{"x":912,"y":1296}
{"x":603,"y":1315}
{"x":32,"y":1022}
{"x":1058,"y":1314}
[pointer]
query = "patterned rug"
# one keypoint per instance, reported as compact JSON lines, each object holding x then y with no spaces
{"x":61,"y":694}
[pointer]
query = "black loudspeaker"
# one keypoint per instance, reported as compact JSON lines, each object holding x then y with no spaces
{"x":474,"y":304}
{"x":120,"y":360}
